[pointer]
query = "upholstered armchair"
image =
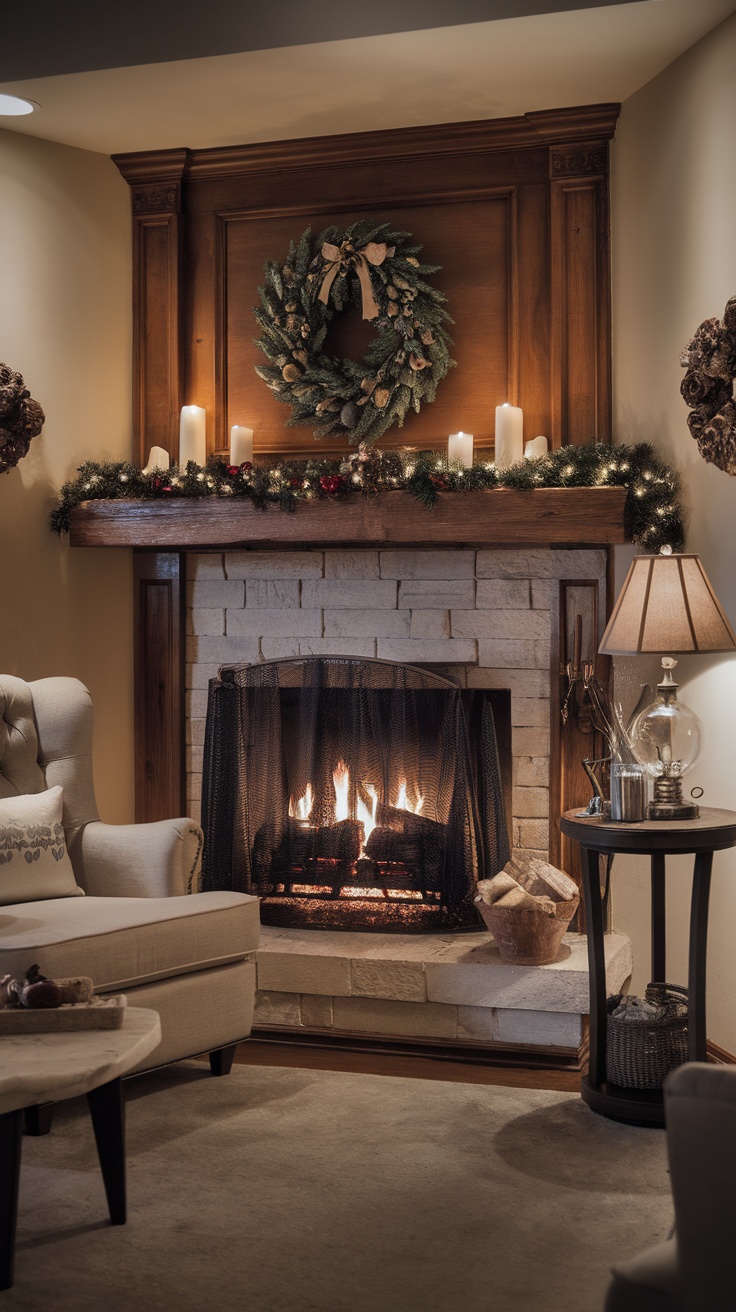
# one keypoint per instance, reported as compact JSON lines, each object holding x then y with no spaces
{"x":692,"y":1272}
{"x":142,"y":927}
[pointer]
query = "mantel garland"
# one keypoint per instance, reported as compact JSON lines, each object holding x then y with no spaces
{"x":653,"y":515}
{"x":379,"y":272}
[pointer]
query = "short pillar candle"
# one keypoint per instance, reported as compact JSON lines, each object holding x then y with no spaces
{"x":509,"y":440}
{"x":241,"y":445}
{"x":535,"y":448}
{"x":192,"y":436}
{"x":460,"y":447}
{"x":158,"y":458}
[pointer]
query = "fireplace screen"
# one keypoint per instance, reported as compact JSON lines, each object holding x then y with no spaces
{"x":352,"y":794}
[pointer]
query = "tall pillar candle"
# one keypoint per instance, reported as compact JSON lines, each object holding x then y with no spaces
{"x":509,"y":435}
{"x":460,"y":447}
{"x":241,"y":445}
{"x":192,"y":435}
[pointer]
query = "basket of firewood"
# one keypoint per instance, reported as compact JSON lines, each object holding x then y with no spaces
{"x":528,"y":907}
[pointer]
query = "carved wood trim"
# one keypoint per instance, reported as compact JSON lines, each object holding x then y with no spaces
{"x":159,"y":684}
{"x":579,"y":161}
{"x":577,"y":123}
{"x":156,"y":200}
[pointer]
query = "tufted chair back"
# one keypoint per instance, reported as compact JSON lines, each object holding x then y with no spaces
{"x":46,"y":739}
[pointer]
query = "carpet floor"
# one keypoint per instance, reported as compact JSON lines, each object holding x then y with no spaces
{"x":278,"y":1190}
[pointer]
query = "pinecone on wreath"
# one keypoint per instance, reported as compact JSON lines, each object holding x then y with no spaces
{"x":21,"y":418}
{"x":707,"y":388}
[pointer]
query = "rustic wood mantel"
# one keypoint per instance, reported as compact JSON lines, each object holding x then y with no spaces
{"x":501,"y":517}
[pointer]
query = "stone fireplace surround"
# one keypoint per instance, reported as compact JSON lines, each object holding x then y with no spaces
{"x":487,"y":618}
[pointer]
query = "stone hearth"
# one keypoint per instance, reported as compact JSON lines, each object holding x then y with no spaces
{"x":445,"y":987}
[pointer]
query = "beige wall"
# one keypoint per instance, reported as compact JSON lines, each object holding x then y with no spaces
{"x":65,"y":325}
{"x":674,"y":264}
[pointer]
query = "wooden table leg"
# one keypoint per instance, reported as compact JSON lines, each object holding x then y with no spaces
{"x":697,"y":962}
{"x":11,"y":1138}
{"x":658,"y":923}
{"x":596,"y":965}
{"x":107,"y":1109}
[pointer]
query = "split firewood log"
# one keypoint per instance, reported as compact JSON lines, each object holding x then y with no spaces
{"x":528,"y":882}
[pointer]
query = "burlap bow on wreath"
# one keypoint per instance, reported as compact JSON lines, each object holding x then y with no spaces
{"x":341,"y":259}
{"x":378,"y":269}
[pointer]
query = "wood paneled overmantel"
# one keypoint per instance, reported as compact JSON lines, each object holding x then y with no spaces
{"x":514,"y":210}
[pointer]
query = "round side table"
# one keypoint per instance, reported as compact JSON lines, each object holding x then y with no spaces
{"x":711,"y":832}
{"x":53,"y":1066}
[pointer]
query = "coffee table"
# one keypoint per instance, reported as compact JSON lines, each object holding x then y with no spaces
{"x":42,"y":1068}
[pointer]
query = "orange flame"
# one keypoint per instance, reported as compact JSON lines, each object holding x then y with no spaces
{"x":341,"y":782}
{"x":403,"y":803}
{"x":302,"y":808}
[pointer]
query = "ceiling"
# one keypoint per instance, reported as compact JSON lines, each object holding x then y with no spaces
{"x":151,"y":74}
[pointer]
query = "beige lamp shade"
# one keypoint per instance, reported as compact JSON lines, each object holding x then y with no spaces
{"x":667,"y":605}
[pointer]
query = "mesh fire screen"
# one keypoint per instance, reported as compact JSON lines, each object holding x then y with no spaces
{"x":351,"y":794}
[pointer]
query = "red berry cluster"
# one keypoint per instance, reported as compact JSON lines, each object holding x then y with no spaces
{"x":332,"y":483}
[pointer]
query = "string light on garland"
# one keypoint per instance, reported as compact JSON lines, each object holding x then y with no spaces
{"x":652,"y":511}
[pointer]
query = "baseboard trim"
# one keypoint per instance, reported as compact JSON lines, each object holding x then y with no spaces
{"x":718,"y":1055}
{"x":480,"y":1054}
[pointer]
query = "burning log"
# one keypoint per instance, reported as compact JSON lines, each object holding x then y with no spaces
{"x":312,"y":854}
{"x":412,"y":841}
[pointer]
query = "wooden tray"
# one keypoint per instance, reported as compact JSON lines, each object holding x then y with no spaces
{"x":99,"y":1014}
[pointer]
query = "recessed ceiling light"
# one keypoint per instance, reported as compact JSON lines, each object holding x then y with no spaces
{"x":14,"y":106}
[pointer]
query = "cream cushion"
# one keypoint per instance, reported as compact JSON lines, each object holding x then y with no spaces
{"x":34,"y":862}
{"x":122,"y":942}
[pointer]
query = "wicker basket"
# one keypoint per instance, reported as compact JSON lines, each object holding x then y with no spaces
{"x":639,"y":1053}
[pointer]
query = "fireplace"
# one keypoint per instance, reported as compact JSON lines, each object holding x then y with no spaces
{"x":352,"y":793}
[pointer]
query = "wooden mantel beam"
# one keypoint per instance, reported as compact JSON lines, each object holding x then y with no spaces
{"x":501,"y":517}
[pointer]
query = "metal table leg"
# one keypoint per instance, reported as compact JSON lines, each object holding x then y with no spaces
{"x":697,"y":961}
{"x":596,"y":965}
{"x":659,"y":924}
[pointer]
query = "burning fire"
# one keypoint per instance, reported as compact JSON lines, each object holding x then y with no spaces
{"x":341,"y":783}
{"x":403,"y":803}
{"x":302,"y":809}
{"x":367,"y":818}
{"x":366,"y":815}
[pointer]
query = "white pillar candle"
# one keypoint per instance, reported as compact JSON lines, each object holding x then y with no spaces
{"x":157,"y":459}
{"x":241,"y":445}
{"x":192,"y":435}
{"x":509,"y":435}
{"x":535,"y":448}
{"x":460,"y":447}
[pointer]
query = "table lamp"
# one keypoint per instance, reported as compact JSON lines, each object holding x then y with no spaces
{"x":667,"y":604}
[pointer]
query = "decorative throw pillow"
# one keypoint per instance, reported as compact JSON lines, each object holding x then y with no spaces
{"x":34,"y":862}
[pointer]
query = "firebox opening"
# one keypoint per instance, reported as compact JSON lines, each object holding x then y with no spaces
{"x":352,"y":793}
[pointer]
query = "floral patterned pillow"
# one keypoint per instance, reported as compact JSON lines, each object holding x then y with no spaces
{"x":34,"y":862}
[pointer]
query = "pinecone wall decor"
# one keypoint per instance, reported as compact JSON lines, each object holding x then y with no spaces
{"x":21,"y":418}
{"x":710,"y":361}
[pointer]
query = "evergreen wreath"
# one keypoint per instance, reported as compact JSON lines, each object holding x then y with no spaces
{"x":379,"y":271}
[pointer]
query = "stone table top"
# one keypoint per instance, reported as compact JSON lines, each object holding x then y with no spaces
{"x":37,"y":1068}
